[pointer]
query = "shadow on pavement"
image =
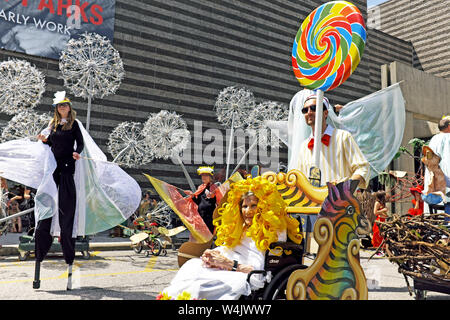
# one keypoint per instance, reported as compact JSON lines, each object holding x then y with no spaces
{"x":96,"y":293}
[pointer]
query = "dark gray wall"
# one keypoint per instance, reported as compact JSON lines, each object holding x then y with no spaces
{"x":383,"y":48}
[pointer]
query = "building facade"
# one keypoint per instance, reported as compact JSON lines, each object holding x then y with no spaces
{"x":424,"y":24}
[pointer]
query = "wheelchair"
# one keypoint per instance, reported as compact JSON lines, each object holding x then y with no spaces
{"x":283,"y":259}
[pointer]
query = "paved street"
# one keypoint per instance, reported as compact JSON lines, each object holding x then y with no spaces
{"x":121,"y":274}
{"x":124,"y":275}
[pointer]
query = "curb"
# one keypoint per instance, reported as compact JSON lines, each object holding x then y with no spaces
{"x":13,"y":250}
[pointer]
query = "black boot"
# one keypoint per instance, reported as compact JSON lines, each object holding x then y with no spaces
{"x":37,"y":270}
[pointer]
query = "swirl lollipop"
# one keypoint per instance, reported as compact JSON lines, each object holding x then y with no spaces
{"x":329,"y":45}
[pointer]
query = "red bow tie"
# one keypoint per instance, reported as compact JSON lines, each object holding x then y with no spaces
{"x":325,"y":140}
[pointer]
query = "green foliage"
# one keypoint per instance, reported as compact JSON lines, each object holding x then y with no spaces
{"x":386,"y":179}
{"x":416,"y":144}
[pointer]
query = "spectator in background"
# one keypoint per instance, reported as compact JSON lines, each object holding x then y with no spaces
{"x":440,"y":145}
{"x":205,"y":196}
{"x":13,"y":208}
{"x":417,"y":202}
{"x":145,"y":204}
{"x":381,"y":212}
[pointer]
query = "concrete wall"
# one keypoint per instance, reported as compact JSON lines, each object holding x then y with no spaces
{"x":427,"y":99}
{"x":425,"y":24}
{"x":382,"y":49}
{"x":426,"y":95}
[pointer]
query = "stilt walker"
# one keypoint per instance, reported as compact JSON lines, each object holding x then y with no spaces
{"x":73,"y":191}
{"x":63,"y":137}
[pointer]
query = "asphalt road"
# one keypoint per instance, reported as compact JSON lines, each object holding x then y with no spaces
{"x":125,"y":275}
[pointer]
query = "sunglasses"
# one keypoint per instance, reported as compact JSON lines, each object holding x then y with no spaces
{"x":312,"y":108}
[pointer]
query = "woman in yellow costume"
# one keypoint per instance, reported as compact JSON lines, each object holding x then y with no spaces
{"x":253,"y":217}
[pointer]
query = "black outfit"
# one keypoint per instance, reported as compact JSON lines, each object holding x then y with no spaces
{"x":206,"y":208}
{"x":62,"y":146}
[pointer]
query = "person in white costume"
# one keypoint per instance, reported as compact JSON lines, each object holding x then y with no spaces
{"x":440,"y":144}
{"x":340,"y":158}
{"x":64,"y":135}
{"x":253,"y":217}
{"x":376,"y":122}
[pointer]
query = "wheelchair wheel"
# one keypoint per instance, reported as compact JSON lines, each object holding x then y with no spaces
{"x":138,"y":248}
{"x":156,"y":247}
{"x":276,"y":290}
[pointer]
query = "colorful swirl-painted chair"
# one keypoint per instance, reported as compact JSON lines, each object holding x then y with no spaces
{"x":336,"y":272}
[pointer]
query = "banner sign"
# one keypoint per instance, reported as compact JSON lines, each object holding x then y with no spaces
{"x":43,"y":27}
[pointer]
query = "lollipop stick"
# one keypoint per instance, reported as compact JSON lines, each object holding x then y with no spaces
{"x":315,"y":170}
{"x":318,"y":128}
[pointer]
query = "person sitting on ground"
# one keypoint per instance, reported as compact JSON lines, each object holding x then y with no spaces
{"x":253,"y":217}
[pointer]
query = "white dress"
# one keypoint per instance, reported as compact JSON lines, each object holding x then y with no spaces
{"x":216,"y":284}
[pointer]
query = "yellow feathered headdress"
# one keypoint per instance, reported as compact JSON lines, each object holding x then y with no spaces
{"x":206,"y":169}
{"x":270,"y":218}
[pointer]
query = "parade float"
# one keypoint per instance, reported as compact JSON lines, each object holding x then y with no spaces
{"x":326,"y":50}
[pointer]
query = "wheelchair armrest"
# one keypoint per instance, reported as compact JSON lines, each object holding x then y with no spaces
{"x":263,"y":272}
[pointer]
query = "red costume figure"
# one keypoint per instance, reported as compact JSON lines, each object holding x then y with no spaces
{"x":380,"y":212}
{"x":417,"y":202}
{"x":205,"y":196}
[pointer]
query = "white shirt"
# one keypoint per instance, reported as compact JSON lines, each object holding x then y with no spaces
{"x":341,"y":159}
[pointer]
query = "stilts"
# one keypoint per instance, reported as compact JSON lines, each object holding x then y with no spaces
{"x":37,"y":270}
{"x":69,"y":277}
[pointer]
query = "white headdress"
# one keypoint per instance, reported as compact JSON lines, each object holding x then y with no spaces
{"x":60,"y":97}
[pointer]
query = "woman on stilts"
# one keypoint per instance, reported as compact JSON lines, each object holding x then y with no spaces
{"x":66,"y":142}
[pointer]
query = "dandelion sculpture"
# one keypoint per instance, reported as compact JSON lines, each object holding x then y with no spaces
{"x":256,"y":125}
{"x":161,"y":214}
{"x":91,"y":68}
{"x":167,"y":136}
{"x":21,"y":86}
{"x":127,"y":145}
{"x":233,"y":106}
{"x":26,"y":124}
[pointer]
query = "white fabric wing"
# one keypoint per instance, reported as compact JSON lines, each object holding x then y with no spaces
{"x":376,"y":122}
{"x":106,"y":195}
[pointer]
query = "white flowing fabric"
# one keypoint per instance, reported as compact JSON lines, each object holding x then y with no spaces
{"x":106,"y":195}
{"x":298,"y":130}
{"x":215,"y":284}
{"x":376,"y":122}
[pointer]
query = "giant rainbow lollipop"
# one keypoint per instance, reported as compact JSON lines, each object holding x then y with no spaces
{"x":329,"y":45}
{"x":326,"y":51}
